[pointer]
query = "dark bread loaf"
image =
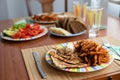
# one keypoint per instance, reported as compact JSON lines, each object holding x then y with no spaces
{"x":69,"y":21}
{"x":71,"y":24}
{"x":62,"y":22}
{"x":77,"y":26}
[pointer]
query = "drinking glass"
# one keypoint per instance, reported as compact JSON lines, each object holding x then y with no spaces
{"x":80,"y":9}
{"x":94,"y":21}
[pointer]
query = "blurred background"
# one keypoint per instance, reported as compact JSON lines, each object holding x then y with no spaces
{"x":17,"y":8}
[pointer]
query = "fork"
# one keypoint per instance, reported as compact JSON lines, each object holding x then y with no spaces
{"x":107,"y":44}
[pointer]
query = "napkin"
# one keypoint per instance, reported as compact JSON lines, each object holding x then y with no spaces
{"x":117,"y":48}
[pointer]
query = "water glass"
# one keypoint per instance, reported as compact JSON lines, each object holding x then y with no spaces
{"x":94,"y":21}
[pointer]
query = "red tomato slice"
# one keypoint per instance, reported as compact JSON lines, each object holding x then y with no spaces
{"x":36,"y":26}
{"x":27,"y":36}
{"x":22,"y":35}
{"x":41,"y":30}
{"x":17,"y":35}
{"x":27,"y":25}
{"x":35,"y":32}
{"x":28,"y":31}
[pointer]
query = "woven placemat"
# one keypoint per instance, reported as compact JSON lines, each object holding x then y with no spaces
{"x":52,"y":73}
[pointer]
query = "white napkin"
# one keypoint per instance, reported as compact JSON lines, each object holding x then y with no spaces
{"x":117,"y":48}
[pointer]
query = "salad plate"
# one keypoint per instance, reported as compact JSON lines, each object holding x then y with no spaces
{"x":26,"y":39}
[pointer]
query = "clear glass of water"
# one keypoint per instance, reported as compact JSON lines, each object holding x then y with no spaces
{"x":94,"y":21}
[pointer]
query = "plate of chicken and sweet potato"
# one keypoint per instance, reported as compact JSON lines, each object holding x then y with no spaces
{"x":81,"y":56}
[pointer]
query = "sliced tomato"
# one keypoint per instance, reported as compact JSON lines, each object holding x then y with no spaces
{"x":17,"y":35}
{"x":22,"y":35}
{"x":36,"y":26}
{"x":27,"y":36}
{"x":21,"y":30}
{"x":27,"y":25}
{"x":28,"y":31}
{"x":41,"y":30}
{"x":35,"y":32}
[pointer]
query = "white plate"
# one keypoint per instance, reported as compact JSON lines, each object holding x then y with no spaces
{"x":44,"y":22}
{"x":25,"y":39}
{"x":82,"y":69}
{"x":72,"y":35}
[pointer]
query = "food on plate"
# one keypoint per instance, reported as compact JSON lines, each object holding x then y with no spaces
{"x":76,"y":26}
{"x":28,"y":31}
{"x":71,"y":24}
{"x":60,"y":64}
{"x":62,"y":21}
{"x":91,"y":52}
{"x":23,"y":31}
{"x":84,"y":53}
{"x":68,"y":58}
{"x":45,"y":17}
{"x":14,"y":29}
{"x":65,"y":57}
{"x":59,"y":31}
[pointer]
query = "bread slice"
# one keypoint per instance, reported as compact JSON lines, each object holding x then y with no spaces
{"x":64,"y":23}
{"x":68,"y":26}
{"x":57,"y":23}
{"x":77,"y":26}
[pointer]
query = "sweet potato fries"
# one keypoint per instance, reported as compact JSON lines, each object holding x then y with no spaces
{"x":91,"y":52}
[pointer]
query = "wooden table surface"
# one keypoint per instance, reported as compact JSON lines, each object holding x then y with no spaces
{"x":12,"y":66}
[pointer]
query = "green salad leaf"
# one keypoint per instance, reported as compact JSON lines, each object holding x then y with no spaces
{"x":18,"y":26}
{"x":14,"y":29}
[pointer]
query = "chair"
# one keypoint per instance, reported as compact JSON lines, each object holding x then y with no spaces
{"x":47,"y":6}
{"x":66,"y":5}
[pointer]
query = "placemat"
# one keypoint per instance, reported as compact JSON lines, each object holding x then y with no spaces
{"x":53,"y":74}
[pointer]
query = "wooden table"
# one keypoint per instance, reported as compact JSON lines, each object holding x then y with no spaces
{"x":12,"y":65}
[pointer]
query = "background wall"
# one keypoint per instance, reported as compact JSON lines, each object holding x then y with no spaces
{"x":58,"y":6}
{"x":12,"y":9}
{"x":17,"y":8}
{"x":114,"y":9}
{"x":3,"y":10}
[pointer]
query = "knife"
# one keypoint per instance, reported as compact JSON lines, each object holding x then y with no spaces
{"x":37,"y":60}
